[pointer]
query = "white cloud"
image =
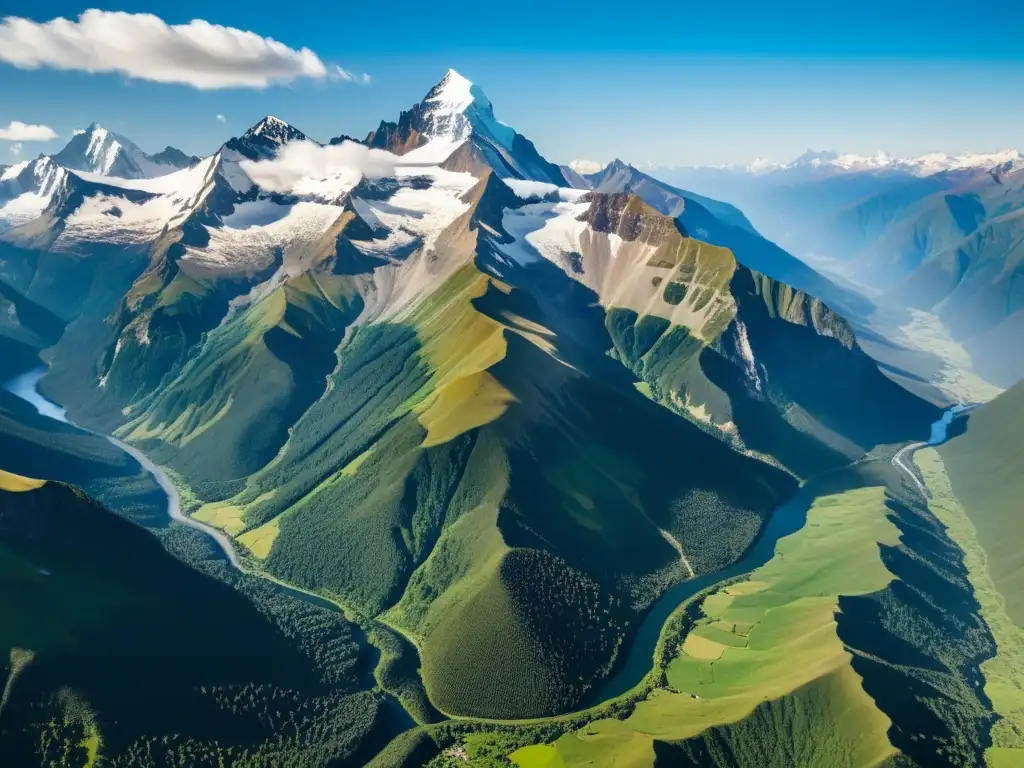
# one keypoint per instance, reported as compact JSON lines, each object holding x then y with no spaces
{"x":78,"y":131}
{"x":584,"y":167}
{"x":221,"y":119}
{"x":340,"y":73}
{"x":300,"y":162}
{"x":16,"y":148}
{"x":143,"y":46}
{"x":18,"y":131}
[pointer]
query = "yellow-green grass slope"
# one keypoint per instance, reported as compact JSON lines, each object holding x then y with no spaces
{"x":18,"y":484}
{"x":765,"y":668}
{"x":1004,"y":672}
{"x":984,"y":468}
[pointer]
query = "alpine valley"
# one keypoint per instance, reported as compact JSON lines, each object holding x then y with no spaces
{"x":421,"y":449}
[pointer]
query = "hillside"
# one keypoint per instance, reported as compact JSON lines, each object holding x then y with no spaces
{"x":984,"y":469}
{"x":89,"y":634}
{"x":941,"y":236}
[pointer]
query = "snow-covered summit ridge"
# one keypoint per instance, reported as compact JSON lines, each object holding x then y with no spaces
{"x":454,"y":93}
{"x":275,"y":129}
{"x":98,"y":150}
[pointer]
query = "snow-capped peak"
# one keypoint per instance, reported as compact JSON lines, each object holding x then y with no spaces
{"x":456,"y":108}
{"x":263,"y":140}
{"x":454,"y":93}
{"x":97,"y":150}
{"x":924,"y":165}
{"x":273,"y":128}
{"x":852,"y":162}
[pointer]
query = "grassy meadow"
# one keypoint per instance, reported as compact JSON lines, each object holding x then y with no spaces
{"x":1004,"y":672}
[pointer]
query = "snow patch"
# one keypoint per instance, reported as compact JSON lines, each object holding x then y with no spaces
{"x":424,"y":213}
{"x":184,"y":183}
{"x":434,"y":152}
{"x":251,"y":238}
{"x":527,"y":189}
{"x":548,"y":230}
{"x":13,"y":171}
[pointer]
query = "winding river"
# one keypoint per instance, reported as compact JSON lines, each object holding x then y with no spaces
{"x":786,"y":520}
{"x":26,"y":387}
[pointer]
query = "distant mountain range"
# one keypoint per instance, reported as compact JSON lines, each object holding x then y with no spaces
{"x":97,"y":150}
{"x":830,"y":161}
{"x":936,"y":233}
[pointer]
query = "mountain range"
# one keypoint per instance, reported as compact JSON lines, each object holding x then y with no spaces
{"x":823,"y":162}
{"x":934,"y":234}
{"x":495,"y":411}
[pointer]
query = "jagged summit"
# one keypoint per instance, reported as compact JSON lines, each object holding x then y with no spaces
{"x":456,"y":111}
{"x":453,"y":90}
{"x":455,"y":108}
{"x":275,"y":129}
{"x":98,"y":150}
{"x":265,"y":137}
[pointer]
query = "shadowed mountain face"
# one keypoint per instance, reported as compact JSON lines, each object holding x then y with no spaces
{"x":494,"y":416}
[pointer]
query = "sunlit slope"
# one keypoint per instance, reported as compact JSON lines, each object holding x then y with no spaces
{"x":1004,"y":670}
{"x":763,"y":366}
{"x":984,"y":467}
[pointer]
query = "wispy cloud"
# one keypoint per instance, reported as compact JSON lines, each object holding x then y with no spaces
{"x":78,"y":131}
{"x":585,"y":166}
{"x":143,"y":46}
{"x":340,"y":73}
{"x":16,"y":148}
{"x":18,"y":131}
{"x":299,"y":160}
{"x":221,"y":119}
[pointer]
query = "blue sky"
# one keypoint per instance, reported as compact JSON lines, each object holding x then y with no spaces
{"x":654,"y":82}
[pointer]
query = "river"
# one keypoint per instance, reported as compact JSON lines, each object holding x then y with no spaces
{"x":784,"y":521}
{"x":26,"y":387}
{"x":787,"y":519}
